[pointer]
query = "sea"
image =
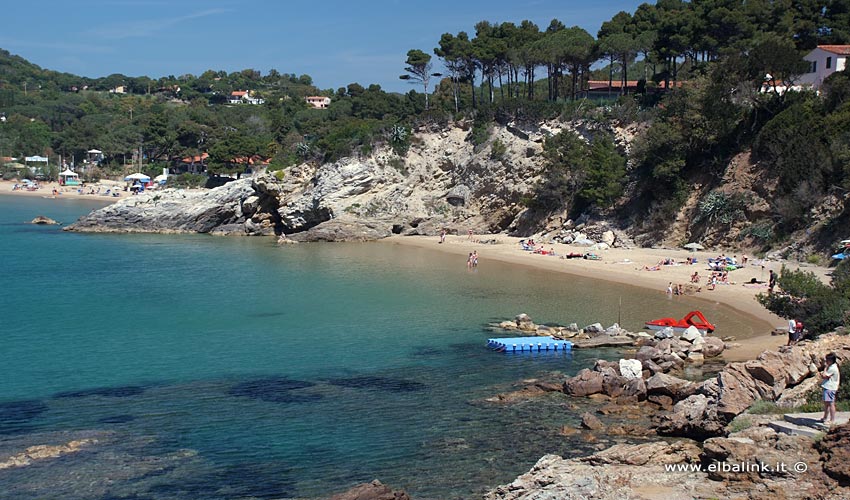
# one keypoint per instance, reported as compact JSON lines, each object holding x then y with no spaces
{"x":201,"y":367}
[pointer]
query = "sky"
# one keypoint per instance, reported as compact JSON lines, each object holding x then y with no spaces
{"x":335,"y":42}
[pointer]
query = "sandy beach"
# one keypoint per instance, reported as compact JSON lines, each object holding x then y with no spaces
{"x":621,"y":265}
{"x":46,"y":190}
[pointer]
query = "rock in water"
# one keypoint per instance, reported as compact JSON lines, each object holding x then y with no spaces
{"x":372,"y":491}
{"x":42,"y":220}
{"x":179,"y":211}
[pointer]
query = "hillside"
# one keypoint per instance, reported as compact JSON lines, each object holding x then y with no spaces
{"x":765,"y":171}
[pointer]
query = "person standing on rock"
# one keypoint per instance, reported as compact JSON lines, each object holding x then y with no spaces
{"x":831,"y":378}
{"x":792,"y":331}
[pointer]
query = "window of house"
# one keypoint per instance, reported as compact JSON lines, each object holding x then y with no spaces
{"x":828,"y":62}
{"x":814,"y":67}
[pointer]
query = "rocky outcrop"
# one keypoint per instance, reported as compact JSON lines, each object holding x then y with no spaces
{"x":614,"y":474}
{"x":444,"y":181}
{"x":344,"y":229}
{"x":234,"y":205}
{"x":372,"y":491}
{"x":835,"y":453}
{"x":719,"y":400}
{"x":754,"y":464}
{"x":43,"y":220}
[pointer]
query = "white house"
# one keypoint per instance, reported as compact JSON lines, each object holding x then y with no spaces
{"x":245,"y":97}
{"x":319,"y":102}
{"x":824,"y":61}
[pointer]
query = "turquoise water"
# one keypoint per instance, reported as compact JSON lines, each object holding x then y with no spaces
{"x":233,"y":368}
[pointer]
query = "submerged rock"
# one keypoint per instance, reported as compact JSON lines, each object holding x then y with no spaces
{"x":372,"y":491}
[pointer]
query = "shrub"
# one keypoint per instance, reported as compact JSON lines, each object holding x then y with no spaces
{"x":820,"y":307}
{"x":721,"y":207}
{"x":498,"y":150}
{"x":187,"y":180}
{"x":761,"y":230}
{"x":400,"y":139}
{"x":762,"y":407}
{"x":740,"y":423}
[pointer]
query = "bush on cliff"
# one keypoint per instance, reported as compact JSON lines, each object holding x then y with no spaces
{"x":820,"y":307}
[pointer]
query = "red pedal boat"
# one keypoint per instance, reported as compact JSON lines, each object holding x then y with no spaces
{"x":694,"y":318}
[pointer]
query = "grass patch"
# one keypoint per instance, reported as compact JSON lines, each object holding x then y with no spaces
{"x":740,"y":423}
{"x":762,"y":407}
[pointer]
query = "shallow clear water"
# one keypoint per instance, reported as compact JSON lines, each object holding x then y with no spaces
{"x":227,"y":368}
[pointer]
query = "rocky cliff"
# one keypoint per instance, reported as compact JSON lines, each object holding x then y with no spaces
{"x":443,"y":181}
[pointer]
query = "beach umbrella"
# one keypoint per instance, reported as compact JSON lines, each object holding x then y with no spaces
{"x":137,"y":177}
{"x":693,"y":247}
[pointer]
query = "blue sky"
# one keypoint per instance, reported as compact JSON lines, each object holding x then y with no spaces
{"x":336,"y":42}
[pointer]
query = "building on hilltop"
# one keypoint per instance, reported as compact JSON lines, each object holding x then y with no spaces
{"x":245,"y":97}
{"x":319,"y":102}
{"x":824,"y":60}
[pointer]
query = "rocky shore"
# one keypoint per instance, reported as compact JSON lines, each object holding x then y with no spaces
{"x":728,"y":455}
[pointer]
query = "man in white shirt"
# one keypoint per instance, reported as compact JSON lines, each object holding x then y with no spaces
{"x":831,"y":378}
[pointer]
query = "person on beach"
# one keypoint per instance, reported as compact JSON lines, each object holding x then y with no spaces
{"x":469,"y":261}
{"x":475,"y":258}
{"x":469,"y":234}
{"x":442,"y":236}
{"x":771,"y":282}
{"x":670,"y":288}
{"x":831,"y":378}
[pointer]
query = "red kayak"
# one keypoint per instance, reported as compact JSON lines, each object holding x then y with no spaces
{"x":694,"y":318}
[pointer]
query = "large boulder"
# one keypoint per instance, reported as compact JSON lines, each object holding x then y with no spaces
{"x":668,"y":385}
{"x":631,"y":368}
{"x":635,"y":388}
{"x":694,"y":417}
{"x":691,"y":334}
{"x":585,"y":383}
{"x":712,"y":347}
{"x":738,"y":390}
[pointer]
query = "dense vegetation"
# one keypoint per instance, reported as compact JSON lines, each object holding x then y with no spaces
{"x":805,"y":297}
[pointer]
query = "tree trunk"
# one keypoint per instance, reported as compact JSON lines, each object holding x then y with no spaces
{"x":501,"y":89}
{"x":625,"y":73}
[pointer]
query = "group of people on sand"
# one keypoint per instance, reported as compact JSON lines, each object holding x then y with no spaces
{"x":472,"y":260}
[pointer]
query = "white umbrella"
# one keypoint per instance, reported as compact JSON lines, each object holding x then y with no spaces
{"x":694,"y":247}
{"x":137,"y":177}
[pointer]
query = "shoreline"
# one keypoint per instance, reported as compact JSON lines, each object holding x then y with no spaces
{"x":620,"y":265}
{"x":45,"y":191}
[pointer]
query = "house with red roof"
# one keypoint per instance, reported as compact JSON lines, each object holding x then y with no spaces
{"x":245,"y":97}
{"x":824,"y":61}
